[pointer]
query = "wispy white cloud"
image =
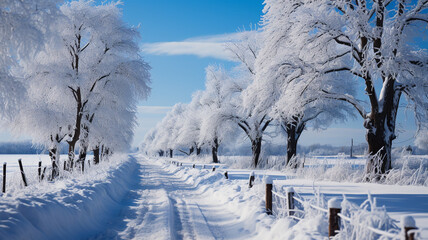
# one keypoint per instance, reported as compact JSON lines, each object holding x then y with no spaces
{"x":204,"y":46}
{"x":153,"y":109}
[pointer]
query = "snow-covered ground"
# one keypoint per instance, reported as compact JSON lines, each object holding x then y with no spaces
{"x":30,"y":164}
{"x":137,"y":197}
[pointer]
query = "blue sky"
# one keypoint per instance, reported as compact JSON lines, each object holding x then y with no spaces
{"x":180,"y":38}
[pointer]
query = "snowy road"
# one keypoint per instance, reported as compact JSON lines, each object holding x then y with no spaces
{"x":165,"y":206}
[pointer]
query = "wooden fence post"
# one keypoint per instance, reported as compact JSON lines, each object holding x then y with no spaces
{"x":194,"y":165}
{"x":54,"y":170}
{"x":83,"y":166}
{"x":4,"y":177}
{"x":226,"y":175}
{"x":333,"y":219}
{"x":39,"y":169}
{"x":290,"y":200}
{"x":269,"y":183}
{"x":251,"y":180}
{"x":43,"y":173}
{"x":408,"y":223}
{"x":22,"y":172}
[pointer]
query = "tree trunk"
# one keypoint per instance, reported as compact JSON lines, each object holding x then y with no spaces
{"x":191,"y":150}
{"x":293,"y":130}
{"x":108,"y":153}
{"x":379,"y":151}
{"x":77,"y":126}
{"x":160,"y":153}
{"x":198,"y":151}
{"x":256,"y":147}
{"x":83,"y":145}
{"x":381,"y":132}
{"x":96,"y":155}
{"x":215,"y":150}
{"x":170,"y":153}
{"x":82,"y":156}
{"x":53,"y":154}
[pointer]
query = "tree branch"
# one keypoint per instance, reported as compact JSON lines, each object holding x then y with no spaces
{"x":343,"y":69}
{"x":74,"y":93}
{"x":347,"y":98}
{"x":266,"y":124}
{"x":96,"y":81}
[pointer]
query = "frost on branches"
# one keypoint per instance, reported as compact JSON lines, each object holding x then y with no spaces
{"x":23,"y":27}
{"x":287,"y":83}
{"x":84,"y":85}
{"x":373,"y":44}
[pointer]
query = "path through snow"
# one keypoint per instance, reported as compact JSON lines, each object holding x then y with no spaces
{"x":165,"y":206}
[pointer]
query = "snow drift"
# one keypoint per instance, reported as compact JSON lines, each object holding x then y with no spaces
{"x":75,"y":208}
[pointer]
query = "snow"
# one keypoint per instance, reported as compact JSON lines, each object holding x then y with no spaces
{"x":268,"y":180}
{"x":137,"y":197}
{"x":74,"y":208}
{"x":334,"y":203}
{"x":408,"y":221}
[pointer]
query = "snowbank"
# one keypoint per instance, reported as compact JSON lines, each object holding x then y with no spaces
{"x":73,"y":208}
{"x":249,"y":203}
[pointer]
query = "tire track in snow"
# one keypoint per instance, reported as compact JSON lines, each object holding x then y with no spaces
{"x":175,"y":226}
{"x":165,"y":206}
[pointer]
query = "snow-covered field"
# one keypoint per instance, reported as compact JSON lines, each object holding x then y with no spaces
{"x":77,"y":207}
{"x":138,"y":197}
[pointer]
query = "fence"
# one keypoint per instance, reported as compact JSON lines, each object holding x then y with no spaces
{"x":287,"y":204}
{"x":40,"y":174}
{"x":21,"y":169}
{"x":409,"y":229}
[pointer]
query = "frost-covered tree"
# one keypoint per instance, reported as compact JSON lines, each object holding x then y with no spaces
{"x":88,"y":80}
{"x":189,"y":132}
{"x":107,"y":66}
{"x":377,"y":43}
{"x":213,"y":101}
{"x":166,"y":132}
{"x":23,"y":26}
{"x":287,"y":83}
{"x":146,"y":145}
{"x":253,"y":121}
{"x":175,"y":122}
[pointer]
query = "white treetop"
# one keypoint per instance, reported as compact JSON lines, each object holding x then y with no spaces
{"x":23,"y":25}
{"x":85,"y":84}
{"x":213,"y":101}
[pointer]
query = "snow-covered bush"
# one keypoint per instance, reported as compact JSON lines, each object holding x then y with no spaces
{"x":368,"y":214}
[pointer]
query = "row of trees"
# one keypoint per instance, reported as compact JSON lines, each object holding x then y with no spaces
{"x":70,"y":74}
{"x":308,"y":65}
